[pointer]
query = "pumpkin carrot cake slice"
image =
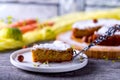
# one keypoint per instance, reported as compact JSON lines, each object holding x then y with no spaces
{"x":52,"y":52}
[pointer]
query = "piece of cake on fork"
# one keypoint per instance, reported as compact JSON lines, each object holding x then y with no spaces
{"x":52,"y":52}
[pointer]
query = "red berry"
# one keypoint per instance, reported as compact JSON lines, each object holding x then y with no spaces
{"x":95,"y":20}
{"x":20,"y":58}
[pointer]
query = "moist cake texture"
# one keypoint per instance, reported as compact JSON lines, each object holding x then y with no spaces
{"x":52,"y":52}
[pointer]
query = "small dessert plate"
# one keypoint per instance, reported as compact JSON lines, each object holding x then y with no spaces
{"x":29,"y":65}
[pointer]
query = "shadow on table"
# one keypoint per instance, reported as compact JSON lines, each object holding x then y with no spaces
{"x":88,"y":69}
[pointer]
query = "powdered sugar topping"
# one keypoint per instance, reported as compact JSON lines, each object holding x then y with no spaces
{"x":104,"y":29}
{"x":56,"y":45}
{"x":90,"y":23}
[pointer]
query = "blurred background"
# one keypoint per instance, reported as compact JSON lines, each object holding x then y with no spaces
{"x":44,"y":9}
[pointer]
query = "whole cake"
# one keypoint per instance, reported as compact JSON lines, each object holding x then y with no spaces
{"x":84,"y":32}
{"x":88,"y":31}
{"x":52,"y":52}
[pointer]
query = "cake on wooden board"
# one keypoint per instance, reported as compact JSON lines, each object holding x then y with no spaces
{"x":106,"y":49}
{"x":89,"y":30}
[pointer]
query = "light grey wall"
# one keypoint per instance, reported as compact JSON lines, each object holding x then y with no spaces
{"x":21,"y":9}
{"x":43,"y":9}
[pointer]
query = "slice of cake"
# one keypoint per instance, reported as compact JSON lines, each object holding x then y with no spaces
{"x":52,"y":52}
{"x":113,"y":40}
{"x":85,"y":28}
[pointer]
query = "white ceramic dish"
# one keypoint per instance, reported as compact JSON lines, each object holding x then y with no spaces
{"x":28,"y":65}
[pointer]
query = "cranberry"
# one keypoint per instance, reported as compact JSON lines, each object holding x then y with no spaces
{"x":20,"y":58}
{"x":95,"y":20}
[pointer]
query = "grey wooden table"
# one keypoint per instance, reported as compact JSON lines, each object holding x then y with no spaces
{"x":95,"y":70}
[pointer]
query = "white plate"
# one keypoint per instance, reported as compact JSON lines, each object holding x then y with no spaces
{"x":28,"y":65}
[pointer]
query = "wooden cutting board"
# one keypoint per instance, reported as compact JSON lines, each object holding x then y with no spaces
{"x":108,"y":52}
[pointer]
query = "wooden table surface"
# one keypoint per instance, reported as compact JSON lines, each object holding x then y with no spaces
{"x":95,"y":70}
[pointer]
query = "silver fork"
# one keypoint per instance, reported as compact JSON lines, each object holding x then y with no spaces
{"x":107,"y":34}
